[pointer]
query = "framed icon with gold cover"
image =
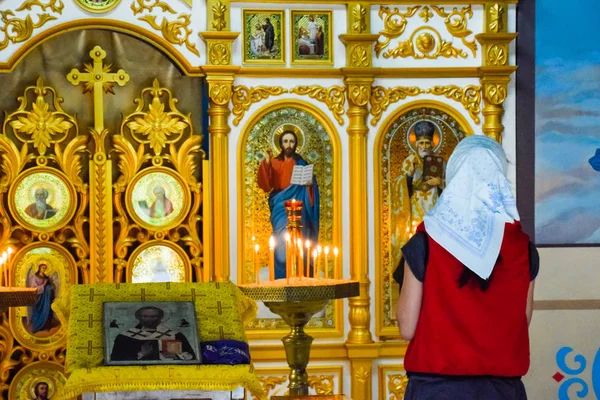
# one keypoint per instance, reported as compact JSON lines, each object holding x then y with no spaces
{"x":51,"y":270}
{"x":158,"y":199}
{"x":159,"y":261}
{"x":42,"y":199}
{"x":38,"y":380}
{"x":312,"y":37}
{"x":264,"y":36}
{"x":97,"y":6}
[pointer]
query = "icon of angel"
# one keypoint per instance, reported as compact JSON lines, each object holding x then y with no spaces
{"x":40,"y":316}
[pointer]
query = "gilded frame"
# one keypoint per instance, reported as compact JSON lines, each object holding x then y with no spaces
{"x":63,"y":179}
{"x":281,"y":60}
{"x":103,"y":8}
{"x":275,"y":385}
{"x":391,"y":387}
{"x":329,"y":127}
{"x":296,"y":58}
{"x":18,"y":278}
{"x":23,"y":384}
{"x":382,"y":331}
{"x":186,"y":204}
{"x":180,"y":252}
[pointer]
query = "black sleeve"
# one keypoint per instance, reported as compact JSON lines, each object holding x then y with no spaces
{"x":534,"y":261}
{"x":416,"y":253}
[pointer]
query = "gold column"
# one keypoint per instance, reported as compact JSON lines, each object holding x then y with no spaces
{"x":495,"y":72}
{"x":359,"y":80}
{"x":220,"y":75}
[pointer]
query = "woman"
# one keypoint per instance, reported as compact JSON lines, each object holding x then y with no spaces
{"x":41,"y":315}
{"x":467,"y":290}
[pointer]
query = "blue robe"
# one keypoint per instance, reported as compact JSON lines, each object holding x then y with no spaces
{"x":42,"y":312}
{"x":595,"y":161}
{"x":310,"y":218}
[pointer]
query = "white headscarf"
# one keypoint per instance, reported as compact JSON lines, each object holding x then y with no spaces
{"x":469,"y":217}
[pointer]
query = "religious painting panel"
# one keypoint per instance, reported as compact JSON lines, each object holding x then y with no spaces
{"x":312,"y":37}
{"x":158,"y":194}
{"x":280,"y":143}
{"x":158,"y":261}
{"x":42,"y":199}
{"x":411,"y":152}
{"x":567,"y":138}
{"x":264,"y":36}
{"x":38,"y":381}
{"x":150,"y":333}
{"x":49,"y":269}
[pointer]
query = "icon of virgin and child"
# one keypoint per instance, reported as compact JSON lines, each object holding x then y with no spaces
{"x":275,"y":178}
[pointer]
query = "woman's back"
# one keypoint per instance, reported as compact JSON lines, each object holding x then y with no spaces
{"x":469,"y":330}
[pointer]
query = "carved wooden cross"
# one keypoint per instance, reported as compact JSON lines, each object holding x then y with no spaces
{"x":98,"y":78}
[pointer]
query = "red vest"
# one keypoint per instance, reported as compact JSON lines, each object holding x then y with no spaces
{"x":466,"y":331}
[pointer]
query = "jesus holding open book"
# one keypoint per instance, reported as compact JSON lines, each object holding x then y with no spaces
{"x":285,"y":177}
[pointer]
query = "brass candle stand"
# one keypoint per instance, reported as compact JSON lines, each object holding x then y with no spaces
{"x":296,"y":304}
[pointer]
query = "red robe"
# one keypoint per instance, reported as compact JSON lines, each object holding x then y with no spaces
{"x":277,"y":175}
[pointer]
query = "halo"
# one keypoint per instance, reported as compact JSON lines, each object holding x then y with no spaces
{"x":288,"y":127}
{"x":411,"y":138}
{"x":42,"y":258}
{"x":159,"y":182}
{"x":46,"y":380}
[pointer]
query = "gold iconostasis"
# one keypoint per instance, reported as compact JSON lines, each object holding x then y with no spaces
{"x":106,"y":173}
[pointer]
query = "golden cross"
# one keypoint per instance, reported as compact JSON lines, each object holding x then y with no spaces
{"x":98,"y":78}
{"x":222,"y":332}
{"x":142,"y":295}
{"x":90,"y":320}
{"x":91,"y":295}
{"x":219,"y":308}
{"x":193,"y":295}
{"x":89,"y":348}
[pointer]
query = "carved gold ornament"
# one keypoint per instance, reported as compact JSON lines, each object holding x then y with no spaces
{"x":394,"y":24}
{"x":359,"y":16}
{"x":456,"y":23}
{"x":497,"y":55}
{"x":362,"y":374}
{"x":17,"y":30}
{"x":176,"y":32}
{"x":322,"y":384}
{"x":219,"y":53}
{"x":333,"y":97}
{"x":219,"y":93}
{"x":495,"y":93}
{"x":219,"y":10}
{"x":381,"y":99}
{"x":359,"y":56}
{"x":469,"y":97}
{"x":425,"y":42}
{"x":397,"y":386}
{"x":426,"y":14}
{"x":54,"y":5}
{"x":244,"y":97}
{"x":359,"y":95}
{"x":496,"y":14}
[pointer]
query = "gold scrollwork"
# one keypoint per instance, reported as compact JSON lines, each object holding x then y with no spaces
{"x":359,"y":94}
{"x":334,"y":97}
{"x":456,"y":23}
{"x":359,"y":15}
{"x":322,"y":384}
{"x":397,"y":386}
{"x":176,"y":32}
{"x":428,"y":43}
{"x":426,"y":14}
{"x":359,"y":56}
{"x":496,"y":14}
{"x":497,"y":55}
{"x":394,"y":24}
{"x":19,"y":30}
{"x":495,"y":93}
{"x":244,"y":97}
{"x":54,"y":5}
{"x":219,"y":9}
{"x":219,"y":54}
{"x":469,"y":97}
{"x":381,"y":99}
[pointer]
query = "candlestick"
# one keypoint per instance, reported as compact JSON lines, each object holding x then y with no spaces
{"x":271,"y":258}
{"x":257,"y":263}
{"x":326,"y":251}
{"x":315,"y":254}
{"x":335,"y":262}
{"x":288,"y":256}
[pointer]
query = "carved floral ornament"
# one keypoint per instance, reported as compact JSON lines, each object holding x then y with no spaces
{"x":425,"y":41}
{"x":20,"y":29}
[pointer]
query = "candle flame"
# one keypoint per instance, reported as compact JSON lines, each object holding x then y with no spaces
{"x":253,"y":238}
{"x":287,"y":237}
{"x":271,"y":242}
{"x":299,"y":242}
{"x":335,"y":251}
{"x":256,"y":247}
{"x":308,"y":244}
{"x":319,"y":249}
{"x":10,"y":251}
{"x":315,"y":253}
{"x":326,"y":250}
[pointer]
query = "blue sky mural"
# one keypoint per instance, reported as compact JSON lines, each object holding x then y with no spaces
{"x":567,"y":189}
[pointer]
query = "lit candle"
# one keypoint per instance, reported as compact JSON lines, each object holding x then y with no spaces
{"x":315,"y":254}
{"x":5,"y":267}
{"x":319,"y":251}
{"x":326,"y":251}
{"x":288,"y":256}
{"x":307,"y":273}
{"x":335,"y":263}
{"x":272,"y":258}
{"x":257,"y":263}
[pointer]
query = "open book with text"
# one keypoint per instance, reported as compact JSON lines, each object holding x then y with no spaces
{"x":302,"y":174}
